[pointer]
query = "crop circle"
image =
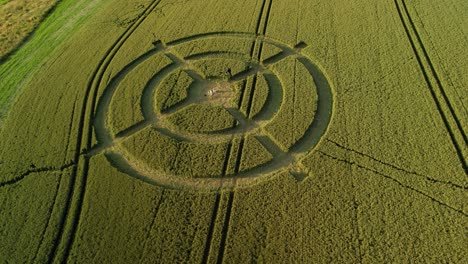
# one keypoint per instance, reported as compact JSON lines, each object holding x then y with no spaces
{"x":218,"y":97}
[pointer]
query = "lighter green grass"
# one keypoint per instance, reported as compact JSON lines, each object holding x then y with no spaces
{"x":54,"y":30}
{"x":18,"y":21}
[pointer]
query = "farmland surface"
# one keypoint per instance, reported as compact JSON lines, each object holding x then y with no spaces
{"x":203,"y":131}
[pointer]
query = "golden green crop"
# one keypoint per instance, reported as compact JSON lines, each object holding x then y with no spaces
{"x":257,"y":131}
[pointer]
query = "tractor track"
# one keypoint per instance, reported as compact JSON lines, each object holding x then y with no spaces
{"x":51,"y":211}
{"x":227,"y":218}
{"x":54,"y":204}
{"x":260,"y":30}
{"x":435,"y":75}
{"x":428,"y":72}
{"x":216,"y":208}
{"x":443,"y":69}
{"x":80,"y":182}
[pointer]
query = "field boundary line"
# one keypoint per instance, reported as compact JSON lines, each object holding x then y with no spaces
{"x":28,"y":172}
{"x":375,"y":172}
{"x":458,"y":147}
{"x":394,"y":167}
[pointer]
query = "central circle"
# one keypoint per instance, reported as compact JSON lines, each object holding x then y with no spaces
{"x":203,"y":110}
{"x":219,"y":91}
{"x":216,"y":92}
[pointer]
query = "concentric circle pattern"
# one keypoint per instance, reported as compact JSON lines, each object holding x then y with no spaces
{"x":213,"y":119}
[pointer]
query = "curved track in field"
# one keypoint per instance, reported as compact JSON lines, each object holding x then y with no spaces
{"x":71,"y":214}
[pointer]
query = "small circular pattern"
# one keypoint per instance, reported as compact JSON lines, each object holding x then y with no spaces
{"x":217,"y":96}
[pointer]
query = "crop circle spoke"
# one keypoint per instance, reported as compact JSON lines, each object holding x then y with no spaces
{"x":177,"y":107}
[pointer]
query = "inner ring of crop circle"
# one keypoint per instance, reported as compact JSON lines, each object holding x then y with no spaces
{"x":226,"y":134}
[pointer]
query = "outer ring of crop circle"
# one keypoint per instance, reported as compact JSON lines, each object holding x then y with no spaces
{"x":321,"y":121}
